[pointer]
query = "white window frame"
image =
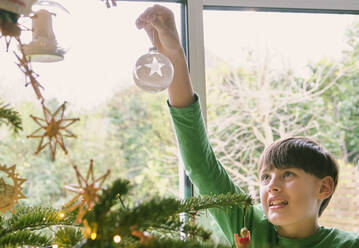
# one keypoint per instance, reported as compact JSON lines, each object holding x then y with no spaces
{"x":336,"y":5}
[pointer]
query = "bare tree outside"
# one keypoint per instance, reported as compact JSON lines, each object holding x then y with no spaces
{"x":256,"y":105}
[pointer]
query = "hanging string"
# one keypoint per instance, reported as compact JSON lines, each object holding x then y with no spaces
{"x":30,"y":76}
{"x":72,"y":163}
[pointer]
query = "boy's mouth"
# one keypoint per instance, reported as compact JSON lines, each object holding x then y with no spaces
{"x":278,"y":203}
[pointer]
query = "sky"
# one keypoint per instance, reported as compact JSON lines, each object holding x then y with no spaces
{"x":296,"y":38}
{"x":104,"y":45}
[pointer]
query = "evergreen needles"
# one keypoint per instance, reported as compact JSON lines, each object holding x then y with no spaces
{"x":153,"y":223}
{"x":157,"y":223}
{"x":28,"y":226}
{"x":10,"y":117}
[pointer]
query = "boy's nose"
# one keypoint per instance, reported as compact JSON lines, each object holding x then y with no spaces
{"x":274,"y":186}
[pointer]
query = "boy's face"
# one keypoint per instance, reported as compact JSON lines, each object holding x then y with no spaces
{"x":289,"y":196}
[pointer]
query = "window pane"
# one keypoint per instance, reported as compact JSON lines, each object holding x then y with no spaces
{"x":274,"y":75}
{"x":121,"y":127}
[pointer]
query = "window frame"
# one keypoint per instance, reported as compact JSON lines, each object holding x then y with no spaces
{"x":326,"y":6}
{"x":193,"y":37}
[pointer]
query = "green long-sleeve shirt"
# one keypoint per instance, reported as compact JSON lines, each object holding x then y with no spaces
{"x":209,"y":176}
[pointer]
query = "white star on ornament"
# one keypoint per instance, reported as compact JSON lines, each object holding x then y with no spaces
{"x":155,"y":67}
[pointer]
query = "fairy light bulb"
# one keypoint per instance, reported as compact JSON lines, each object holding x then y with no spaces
{"x":153,"y":71}
{"x":61,"y":215}
{"x":117,"y":239}
{"x":93,"y":236}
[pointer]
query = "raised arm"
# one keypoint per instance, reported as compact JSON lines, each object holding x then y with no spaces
{"x":158,"y":21}
{"x":198,"y":157}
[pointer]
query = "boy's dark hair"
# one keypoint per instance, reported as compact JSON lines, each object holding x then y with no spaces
{"x":302,"y":153}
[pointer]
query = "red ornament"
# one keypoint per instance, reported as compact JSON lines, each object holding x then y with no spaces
{"x":244,"y":240}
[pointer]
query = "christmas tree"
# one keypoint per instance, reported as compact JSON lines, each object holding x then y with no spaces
{"x":158,"y":222}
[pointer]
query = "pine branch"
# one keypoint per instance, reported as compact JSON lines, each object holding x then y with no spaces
{"x":166,"y":243}
{"x":24,"y":237}
{"x":67,"y":237}
{"x":109,"y":197}
{"x":158,"y":210}
{"x":196,"y":231}
{"x":152,"y":211}
{"x":174,"y":230}
{"x":195,"y":204}
{"x":34,"y":218}
{"x":155,"y":242}
{"x":10,"y":117}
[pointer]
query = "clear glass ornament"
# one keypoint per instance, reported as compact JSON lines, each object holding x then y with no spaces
{"x":153,"y":71}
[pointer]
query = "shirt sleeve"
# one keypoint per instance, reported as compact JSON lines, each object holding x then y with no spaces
{"x":209,"y":176}
{"x":200,"y":162}
{"x":201,"y":165}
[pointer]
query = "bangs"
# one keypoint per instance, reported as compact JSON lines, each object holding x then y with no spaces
{"x":298,"y":153}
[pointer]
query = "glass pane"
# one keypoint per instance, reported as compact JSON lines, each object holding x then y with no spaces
{"x":121,"y":127}
{"x":273,"y":75}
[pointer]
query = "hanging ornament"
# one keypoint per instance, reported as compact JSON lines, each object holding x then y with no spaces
{"x":144,"y":237}
{"x":10,"y":194}
{"x":52,"y":126}
{"x":244,"y":240}
{"x":86,"y":192}
{"x":153,"y":71}
{"x":44,"y":46}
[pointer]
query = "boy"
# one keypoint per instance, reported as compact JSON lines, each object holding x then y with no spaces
{"x":297,"y":176}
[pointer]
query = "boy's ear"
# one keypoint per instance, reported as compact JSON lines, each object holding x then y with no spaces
{"x":326,"y":187}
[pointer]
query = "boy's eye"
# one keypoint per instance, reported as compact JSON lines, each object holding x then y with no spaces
{"x":265,"y":177}
{"x":288,"y":173}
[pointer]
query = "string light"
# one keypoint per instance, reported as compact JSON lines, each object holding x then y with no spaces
{"x":93,"y":236}
{"x":117,"y":239}
{"x":61,"y":215}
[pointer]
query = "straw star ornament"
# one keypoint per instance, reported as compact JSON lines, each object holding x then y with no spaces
{"x":86,"y":192}
{"x":54,"y":127}
{"x":10,"y":193}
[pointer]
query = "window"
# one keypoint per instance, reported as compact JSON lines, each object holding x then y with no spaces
{"x":121,"y":128}
{"x":271,"y":75}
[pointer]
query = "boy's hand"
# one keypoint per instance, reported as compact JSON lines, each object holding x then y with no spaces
{"x":159,"y":23}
